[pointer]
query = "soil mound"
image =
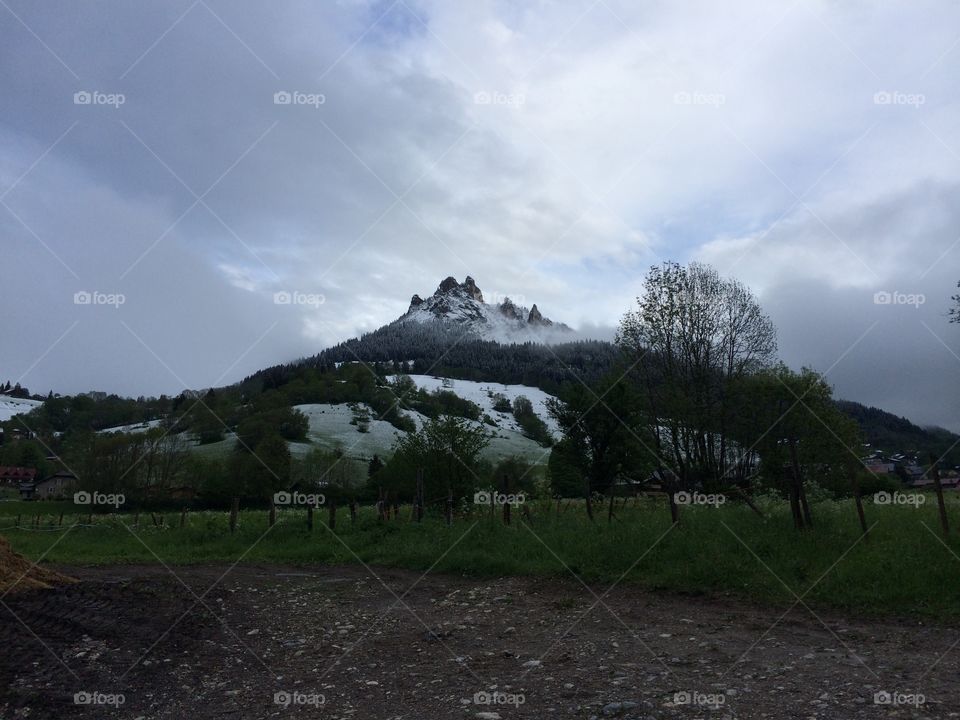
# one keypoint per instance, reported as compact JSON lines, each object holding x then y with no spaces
{"x":17,"y":573}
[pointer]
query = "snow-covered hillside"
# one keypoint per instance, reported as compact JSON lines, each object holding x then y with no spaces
{"x":135,"y":428}
{"x":10,"y":406}
{"x":484,"y":395}
{"x":330,"y":428}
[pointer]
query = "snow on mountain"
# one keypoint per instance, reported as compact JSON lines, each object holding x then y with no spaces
{"x":330,"y":428}
{"x":463,"y":304}
{"x":134,"y":428}
{"x":10,"y":406}
{"x":484,"y":394}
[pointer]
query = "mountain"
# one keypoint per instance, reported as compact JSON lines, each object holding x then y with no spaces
{"x":462,"y":306}
{"x":891,"y":434}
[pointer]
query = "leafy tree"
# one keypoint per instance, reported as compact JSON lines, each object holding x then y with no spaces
{"x":501,"y":403}
{"x":606,"y":438}
{"x":531,"y":424}
{"x":790,"y":419}
{"x":447,"y":450}
{"x":692,"y":334}
{"x":284,"y":421}
{"x":955,"y":310}
{"x":259,"y":473}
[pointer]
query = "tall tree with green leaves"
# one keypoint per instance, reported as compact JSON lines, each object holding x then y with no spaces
{"x":799,"y":434}
{"x":692,"y":334}
{"x":447,"y":450}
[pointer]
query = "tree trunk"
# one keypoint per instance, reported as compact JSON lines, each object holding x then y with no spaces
{"x":798,"y":497}
{"x":855,"y":483}
{"x":506,"y":504}
{"x":747,"y":500}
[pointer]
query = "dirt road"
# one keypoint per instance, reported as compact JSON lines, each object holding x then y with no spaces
{"x":268,"y":641}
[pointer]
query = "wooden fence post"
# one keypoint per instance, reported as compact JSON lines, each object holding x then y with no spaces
{"x":310,"y":518}
{"x":353,"y":511}
{"x":60,"y":521}
{"x":183,"y":518}
{"x":935,"y":473}
{"x":449,"y":512}
{"x":418,"y":502}
{"x":855,"y":483}
{"x":332,"y":506}
{"x":234,"y":509}
{"x":272,"y":516}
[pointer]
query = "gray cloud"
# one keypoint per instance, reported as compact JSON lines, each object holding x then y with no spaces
{"x":746,"y":135}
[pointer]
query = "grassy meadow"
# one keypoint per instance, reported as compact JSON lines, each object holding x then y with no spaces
{"x":903,"y":567}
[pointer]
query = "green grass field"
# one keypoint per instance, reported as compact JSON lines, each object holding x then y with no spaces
{"x":902,"y":568}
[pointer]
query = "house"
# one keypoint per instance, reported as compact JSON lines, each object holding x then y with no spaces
{"x":13,"y":476}
{"x":59,"y":485}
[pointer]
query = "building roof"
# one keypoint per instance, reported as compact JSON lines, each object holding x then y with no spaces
{"x":11,"y":472}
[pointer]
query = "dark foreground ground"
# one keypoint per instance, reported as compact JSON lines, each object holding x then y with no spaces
{"x":268,"y":641}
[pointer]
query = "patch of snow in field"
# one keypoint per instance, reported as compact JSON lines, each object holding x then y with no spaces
{"x":479,"y":393}
{"x":10,"y":406}
{"x":134,"y":428}
{"x":330,"y":427}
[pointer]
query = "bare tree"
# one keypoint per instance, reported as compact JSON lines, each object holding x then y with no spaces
{"x":692,"y":334}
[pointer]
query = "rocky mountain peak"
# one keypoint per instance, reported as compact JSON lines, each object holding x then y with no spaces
{"x":470,"y":287}
{"x":447,"y":285}
{"x":463,"y":304}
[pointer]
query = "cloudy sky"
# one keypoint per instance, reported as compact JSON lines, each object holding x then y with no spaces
{"x":552,"y":150}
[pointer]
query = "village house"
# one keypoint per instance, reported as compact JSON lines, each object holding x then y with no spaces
{"x":59,"y":485}
{"x":11,"y":476}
